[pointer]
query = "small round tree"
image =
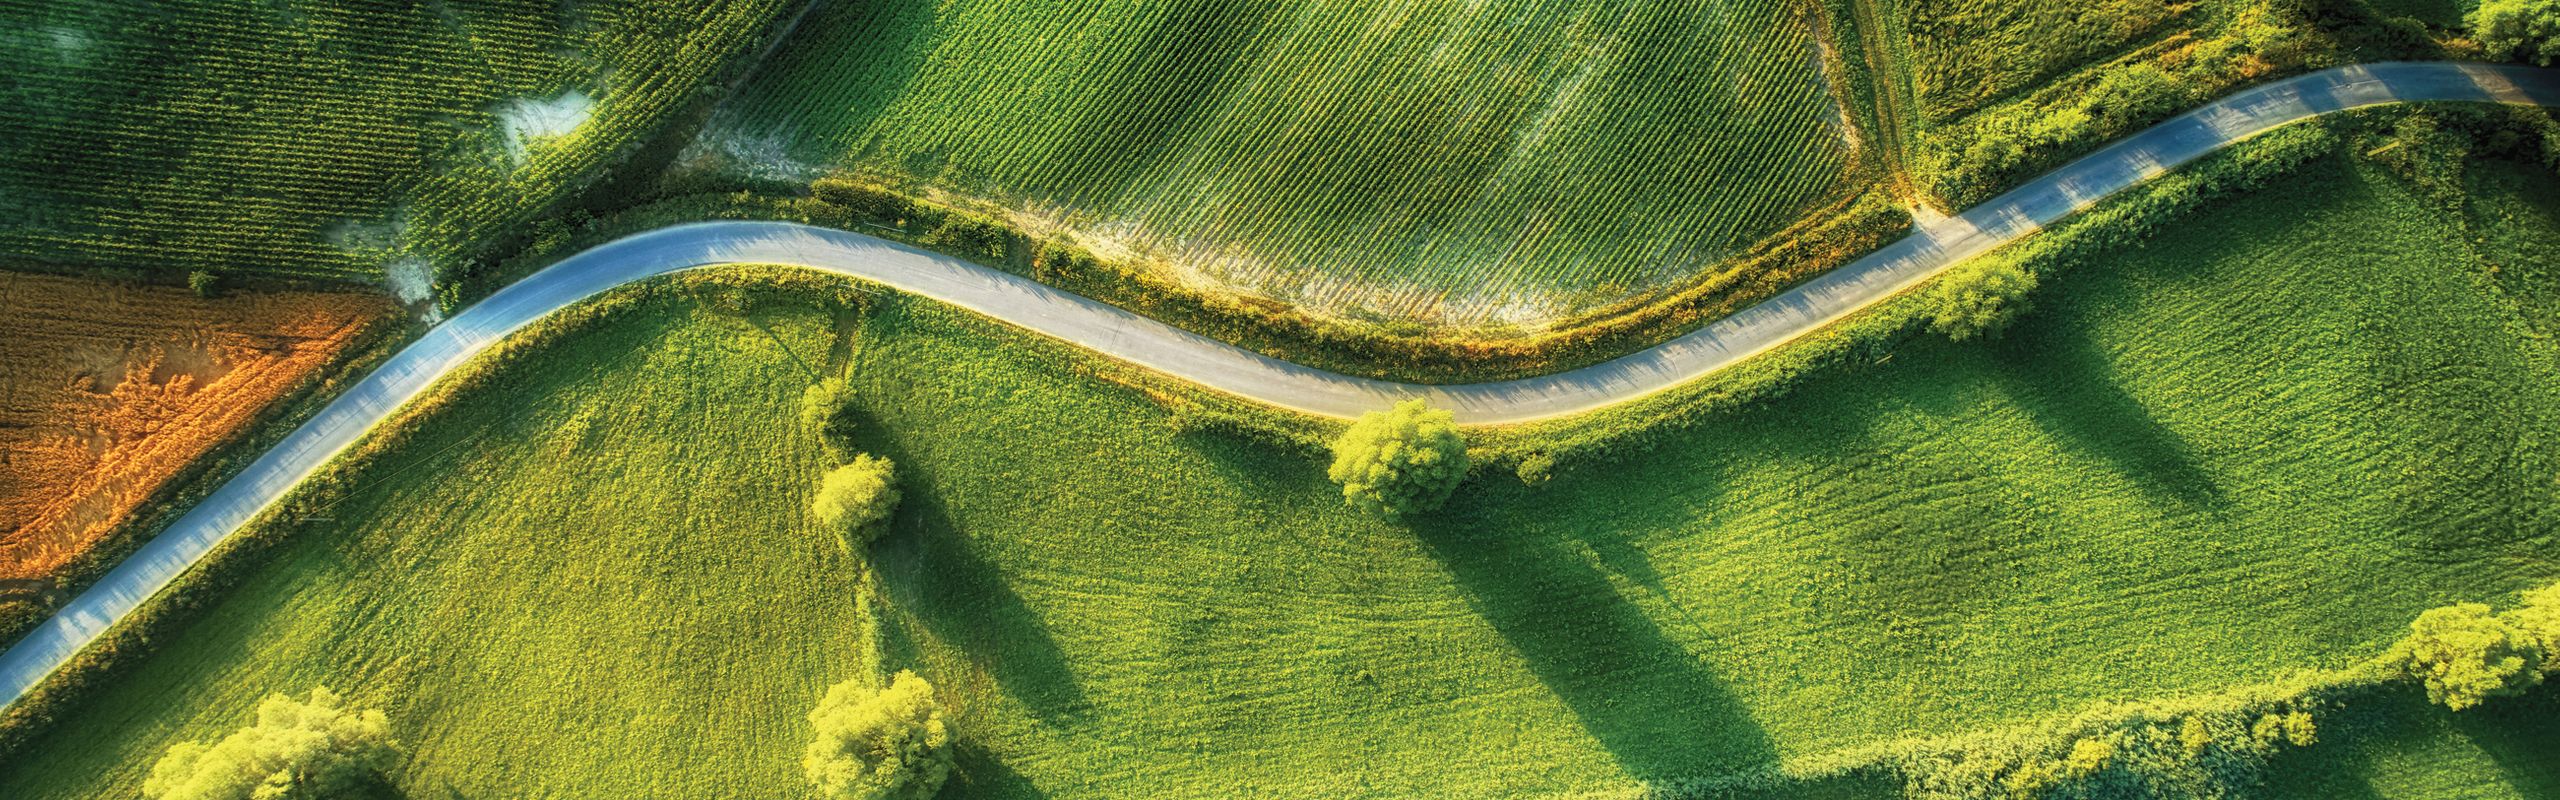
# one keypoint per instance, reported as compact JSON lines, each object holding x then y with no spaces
{"x":888,"y":744}
{"x":855,"y":498}
{"x":297,"y":749}
{"x":1402,"y":461}
{"x":2466,"y":656}
{"x":2526,"y":29}
{"x":1979,"y":301}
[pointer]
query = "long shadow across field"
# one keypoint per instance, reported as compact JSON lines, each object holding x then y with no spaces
{"x":2522,"y":734}
{"x":928,"y":564}
{"x":1653,"y":704}
{"x":2062,"y":379}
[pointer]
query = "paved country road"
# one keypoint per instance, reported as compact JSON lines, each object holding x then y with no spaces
{"x":1207,"y":362}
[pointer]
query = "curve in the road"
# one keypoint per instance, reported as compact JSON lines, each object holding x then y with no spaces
{"x":1189,"y":356}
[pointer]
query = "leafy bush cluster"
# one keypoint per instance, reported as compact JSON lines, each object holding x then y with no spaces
{"x":1978,"y":300}
{"x":1402,"y":461}
{"x":855,"y":498}
{"x":312,"y":749}
{"x":888,"y":744}
{"x":2527,"y":30}
{"x":1971,"y":160}
{"x":2211,"y":747}
{"x":2465,"y":655}
{"x":826,"y":407}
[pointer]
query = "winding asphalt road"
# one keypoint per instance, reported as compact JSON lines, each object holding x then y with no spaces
{"x":1180,"y":354}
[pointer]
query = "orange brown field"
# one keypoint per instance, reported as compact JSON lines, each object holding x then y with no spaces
{"x":108,"y":389}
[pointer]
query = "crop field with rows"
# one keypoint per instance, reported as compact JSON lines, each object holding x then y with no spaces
{"x":1462,"y":162}
{"x":320,"y":138}
{"x":109,"y":389}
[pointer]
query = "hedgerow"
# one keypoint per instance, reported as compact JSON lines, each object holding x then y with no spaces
{"x":1832,"y":237}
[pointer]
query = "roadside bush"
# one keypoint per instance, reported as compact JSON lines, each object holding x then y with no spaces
{"x":826,"y":409}
{"x":1979,"y":300}
{"x":2528,"y":30}
{"x":2423,"y":151}
{"x":1402,"y":461}
{"x":2134,"y":95}
{"x":297,"y":749}
{"x":888,"y":744}
{"x":204,"y":283}
{"x":2466,"y":656}
{"x":855,"y":498}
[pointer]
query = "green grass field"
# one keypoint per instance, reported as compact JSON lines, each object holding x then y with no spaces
{"x":294,"y":139}
{"x":1435,"y":160}
{"x":2261,"y":444}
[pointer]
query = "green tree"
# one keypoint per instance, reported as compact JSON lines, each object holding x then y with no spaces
{"x":826,"y":409}
{"x":1981,"y":299}
{"x":2467,"y":656}
{"x":888,"y":744}
{"x":855,"y":498}
{"x":2539,"y":617}
{"x":297,"y":749}
{"x":1402,"y":461}
{"x":2525,"y":29}
{"x":204,"y":283}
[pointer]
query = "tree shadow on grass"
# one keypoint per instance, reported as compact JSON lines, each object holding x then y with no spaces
{"x":1650,"y":702}
{"x":2059,"y":376}
{"x":2522,"y":734}
{"x":977,"y":773}
{"x":932,"y":569}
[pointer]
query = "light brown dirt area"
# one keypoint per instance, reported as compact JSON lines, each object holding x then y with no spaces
{"x":108,"y":390}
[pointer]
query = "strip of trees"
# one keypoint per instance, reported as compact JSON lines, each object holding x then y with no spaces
{"x":305,"y":749}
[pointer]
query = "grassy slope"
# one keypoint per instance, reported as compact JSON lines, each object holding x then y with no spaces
{"x":1346,"y":153}
{"x":2263,"y":443}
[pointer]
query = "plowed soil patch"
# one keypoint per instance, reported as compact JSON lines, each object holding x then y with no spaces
{"x":107,"y":390}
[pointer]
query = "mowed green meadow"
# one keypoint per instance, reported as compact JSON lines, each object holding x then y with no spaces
{"x":1459,"y":161}
{"x":2261,"y":444}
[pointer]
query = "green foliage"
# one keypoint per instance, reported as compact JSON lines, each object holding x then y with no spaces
{"x":826,"y":409}
{"x":854,"y":499}
{"x":1565,"y":151}
{"x":2528,"y":30}
{"x":2423,"y":150}
{"x":2466,"y":656}
{"x":2207,"y":747}
{"x":298,"y":750}
{"x":2539,"y":617}
{"x":205,"y":283}
{"x":883,"y":744}
{"x":1401,"y":461}
{"x":1979,"y":300}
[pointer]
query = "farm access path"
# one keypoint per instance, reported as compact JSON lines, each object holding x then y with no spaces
{"x":1127,"y":336}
